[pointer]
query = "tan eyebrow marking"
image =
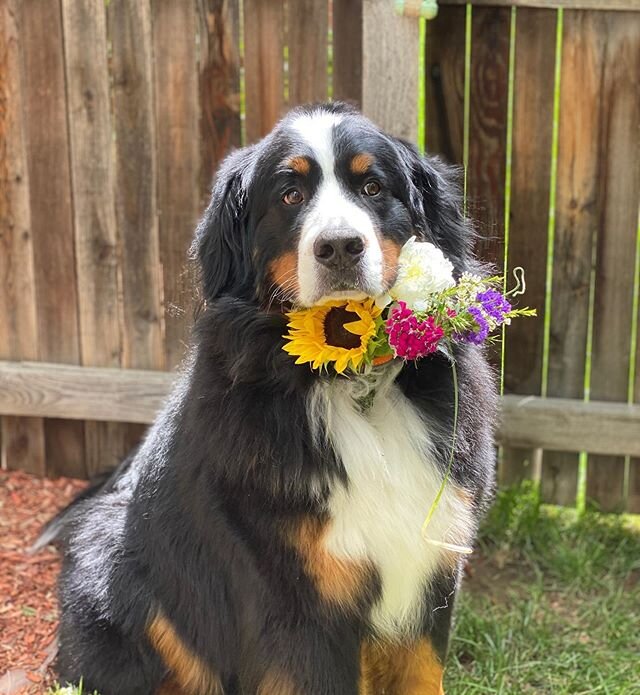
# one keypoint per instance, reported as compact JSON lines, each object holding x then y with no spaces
{"x":361,"y":163}
{"x":300,"y":165}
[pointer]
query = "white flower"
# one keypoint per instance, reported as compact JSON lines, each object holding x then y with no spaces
{"x":423,"y":270}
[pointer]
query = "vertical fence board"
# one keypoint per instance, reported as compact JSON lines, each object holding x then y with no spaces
{"x":633,"y":497}
{"x":264,"y":65}
{"x":129,"y":31}
{"x":47,"y":141}
{"x":219,"y":81}
{"x":178,"y":161}
{"x":22,"y":440}
{"x":347,"y":50}
{"x":618,"y":181}
{"x":530,"y":179}
{"x":444,"y":64}
{"x":129,"y":26}
{"x":488,"y":128}
{"x":390,"y":46}
{"x":92,"y":175}
{"x":577,"y":219}
{"x":307,"y":33}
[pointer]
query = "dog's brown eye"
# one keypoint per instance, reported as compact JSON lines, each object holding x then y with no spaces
{"x":292,"y":197}
{"x":371,"y":188}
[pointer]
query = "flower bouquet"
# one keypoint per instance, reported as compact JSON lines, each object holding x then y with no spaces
{"x":425,"y":311}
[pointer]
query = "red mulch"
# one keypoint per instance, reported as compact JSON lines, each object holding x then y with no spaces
{"x":28,"y":608}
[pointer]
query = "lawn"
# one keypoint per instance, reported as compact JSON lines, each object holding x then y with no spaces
{"x":551,"y":604}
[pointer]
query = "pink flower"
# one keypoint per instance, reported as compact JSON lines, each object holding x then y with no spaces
{"x":409,"y":337}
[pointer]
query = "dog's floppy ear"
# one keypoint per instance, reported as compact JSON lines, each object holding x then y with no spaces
{"x":220,"y":243}
{"x":436,"y":205}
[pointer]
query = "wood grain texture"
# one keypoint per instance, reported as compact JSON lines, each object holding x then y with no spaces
{"x":577,"y":219}
{"x":618,"y":5}
{"x":219,"y":85}
{"x":47,"y":143}
{"x":347,"y":50}
{"x":618,"y":196}
{"x":307,"y":38}
{"x":129,"y":32}
{"x":134,"y":395}
{"x":444,"y":64}
{"x":530,"y":186}
{"x":264,"y":65}
{"x":488,"y":129}
{"x":21,"y":441}
{"x":178,"y":161}
{"x":568,"y":424}
{"x":93,"y":393}
{"x":93,"y":181}
{"x":390,"y":48}
{"x":633,"y":493}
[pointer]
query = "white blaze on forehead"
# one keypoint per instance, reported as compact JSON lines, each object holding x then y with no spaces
{"x":316,"y":130}
{"x":332,"y":210}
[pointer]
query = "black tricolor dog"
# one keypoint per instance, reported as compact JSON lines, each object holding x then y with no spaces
{"x":266,"y":537}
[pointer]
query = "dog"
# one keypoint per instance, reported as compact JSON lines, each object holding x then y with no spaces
{"x":265,"y":539}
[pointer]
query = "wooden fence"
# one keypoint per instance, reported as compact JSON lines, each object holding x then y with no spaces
{"x":114,"y":115}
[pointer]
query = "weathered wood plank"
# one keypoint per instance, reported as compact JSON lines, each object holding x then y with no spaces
{"x":264,"y":65}
{"x":132,"y":395}
{"x":577,"y":218}
{"x":307,"y":39}
{"x":568,"y":425}
{"x":347,"y":50}
{"x":488,"y":129}
{"x":530,"y":186}
{"x":178,"y":161}
{"x":618,"y":5}
{"x":21,"y":441}
{"x":129,"y":31}
{"x":618,"y":147}
{"x":445,"y":52}
{"x":47,"y":143}
{"x":390,"y":50}
{"x":95,"y":393}
{"x":633,"y":494}
{"x":219,"y":83}
{"x":93,"y":181}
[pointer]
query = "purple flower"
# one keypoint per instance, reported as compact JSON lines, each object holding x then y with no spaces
{"x":480,"y":335}
{"x":494,"y":305}
{"x":409,"y":337}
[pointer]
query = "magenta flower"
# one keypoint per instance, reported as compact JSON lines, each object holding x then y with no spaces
{"x":409,"y":337}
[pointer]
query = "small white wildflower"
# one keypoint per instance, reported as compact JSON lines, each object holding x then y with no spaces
{"x":423,"y":270}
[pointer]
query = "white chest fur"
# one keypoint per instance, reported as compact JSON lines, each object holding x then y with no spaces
{"x":388,"y":454}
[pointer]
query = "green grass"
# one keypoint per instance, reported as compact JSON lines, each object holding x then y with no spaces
{"x":552,"y":604}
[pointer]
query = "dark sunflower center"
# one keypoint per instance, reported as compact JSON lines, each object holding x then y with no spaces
{"x":334,"y":331}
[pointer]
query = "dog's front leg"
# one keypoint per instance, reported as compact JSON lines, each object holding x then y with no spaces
{"x":312,"y":663}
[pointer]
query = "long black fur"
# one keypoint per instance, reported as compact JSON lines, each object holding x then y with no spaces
{"x":191,"y":525}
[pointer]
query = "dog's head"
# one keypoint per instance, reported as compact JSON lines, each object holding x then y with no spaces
{"x":320,"y":208}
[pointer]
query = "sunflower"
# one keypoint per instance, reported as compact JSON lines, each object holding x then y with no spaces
{"x":338,"y":331}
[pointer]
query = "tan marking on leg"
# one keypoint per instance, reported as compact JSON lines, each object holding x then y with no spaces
{"x":361,"y":162}
{"x":300,"y":165}
{"x":338,"y":581}
{"x":276,"y":682}
{"x":284,"y":272}
{"x":390,"y":253}
{"x":188,"y":671}
{"x":400,"y":669}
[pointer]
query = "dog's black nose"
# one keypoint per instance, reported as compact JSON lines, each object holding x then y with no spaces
{"x":338,"y":251}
